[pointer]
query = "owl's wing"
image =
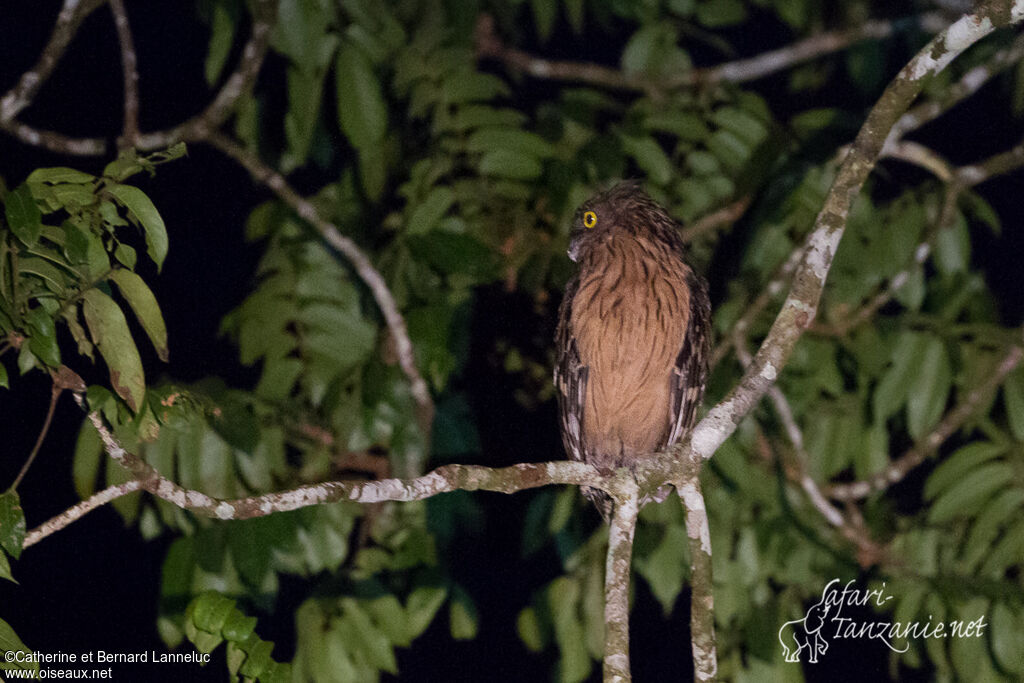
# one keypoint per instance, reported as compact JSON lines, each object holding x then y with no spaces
{"x":570,"y":378}
{"x":691,"y":368}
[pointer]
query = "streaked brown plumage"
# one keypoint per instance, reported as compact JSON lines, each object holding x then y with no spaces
{"x":633,"y":335}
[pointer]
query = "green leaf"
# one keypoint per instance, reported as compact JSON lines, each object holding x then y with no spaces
{"x":929,"y":390}
{"x":544,"y":14}
{"x":362,"y":113}
{"x":953,"y":247}
{"x":23,"y":216}
{"x":463,"y":619}
{"x":144,"y":305}
{"x":428,"y":212}
{"x":1013,"y":396}
{"x":43,"y":341}
{"x":421,"y":607}
{"x":665,"y":567}
{"x":892,"y":390}
{"x":493,"y":138}
{"x":9,"y":642}
{"x":5,"y":573}
{"x":650,"y":157}
{"x":109,"y":331}
{"x":720,"y":13}
{"x":1000,"y":511}
{"x":59,"y":174}
{"x":528,"y":628}
{"x":136,"y":201}
{"x":3,"y":377}
{"x":1007,"y":638}
{"x":12,"y":523}
{"x":959,"y":464}
{"x":509,"y":164}
{"x":222,"y":35}
{"x":87,"y":459}
{"x":969,"y":492}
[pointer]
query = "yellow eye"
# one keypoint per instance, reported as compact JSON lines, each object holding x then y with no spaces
{"x":589,"y":219}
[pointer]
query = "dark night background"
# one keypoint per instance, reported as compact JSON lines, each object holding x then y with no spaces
{"x":94,"y":585}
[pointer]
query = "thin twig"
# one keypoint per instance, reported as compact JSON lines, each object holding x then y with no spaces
{"x":76,"y":512}
{"x":616,"y":587}
{"x":54,"y":395}
{"x":489,"y":45}
{"x":130,"y":69}
{"x":360,"y":262}
{"x":716,"y":219}
{"x":947,"y":426}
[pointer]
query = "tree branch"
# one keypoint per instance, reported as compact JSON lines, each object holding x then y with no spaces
{"x":129,"y":66}
{"x":489,"y":45}
{"x":801,"y":305}
{"x":442,"y":480}
{"x":265,"y":175}
{"x":76,"y":512}
{"x":702,"y":595}
{"x":947,"y":426}
{"x":717,"y":219}
{"x":969,"y":83}
{"x":71,"y":16}
{"x":199,"y":127}
{"x":616,"y":585}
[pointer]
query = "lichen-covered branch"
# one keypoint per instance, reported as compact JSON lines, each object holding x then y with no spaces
{"x":919,"y":452}
{"x":360,"y":262}
{"x":616,"y":585}
{"x":702,"y":596}
{"x":442,"y":480}
{"x":801,"y":304}
{"x":969,"y":83}
{"x":489,"y":45}
{"x":76,"y":512}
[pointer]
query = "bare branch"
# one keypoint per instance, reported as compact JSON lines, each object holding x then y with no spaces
{"x":489,"y":45}
{"x":998,"y":164}
{"x":71,"y":16}
{"x":801,"y":305}
{"x":76,"y":512}
{"x":716,"y":219}
{"x":616,"y":586}
{"x":240,"y":82}
{"x":129,"y":66}
{"x":947,"y":426}
{"x":360,"y":262}
{"x":54,"y":396}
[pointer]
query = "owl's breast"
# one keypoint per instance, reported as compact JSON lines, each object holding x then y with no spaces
{"x":629,"y":318}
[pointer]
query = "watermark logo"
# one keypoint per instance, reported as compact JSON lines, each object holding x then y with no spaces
{"x":808,"y":638}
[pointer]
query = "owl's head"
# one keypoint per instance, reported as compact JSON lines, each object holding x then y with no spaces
{"x":625,"y":207}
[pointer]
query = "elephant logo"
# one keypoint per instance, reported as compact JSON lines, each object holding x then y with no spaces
{"x":805,"y":634}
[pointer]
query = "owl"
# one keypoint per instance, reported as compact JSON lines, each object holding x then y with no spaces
{"x":633,"y":337}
